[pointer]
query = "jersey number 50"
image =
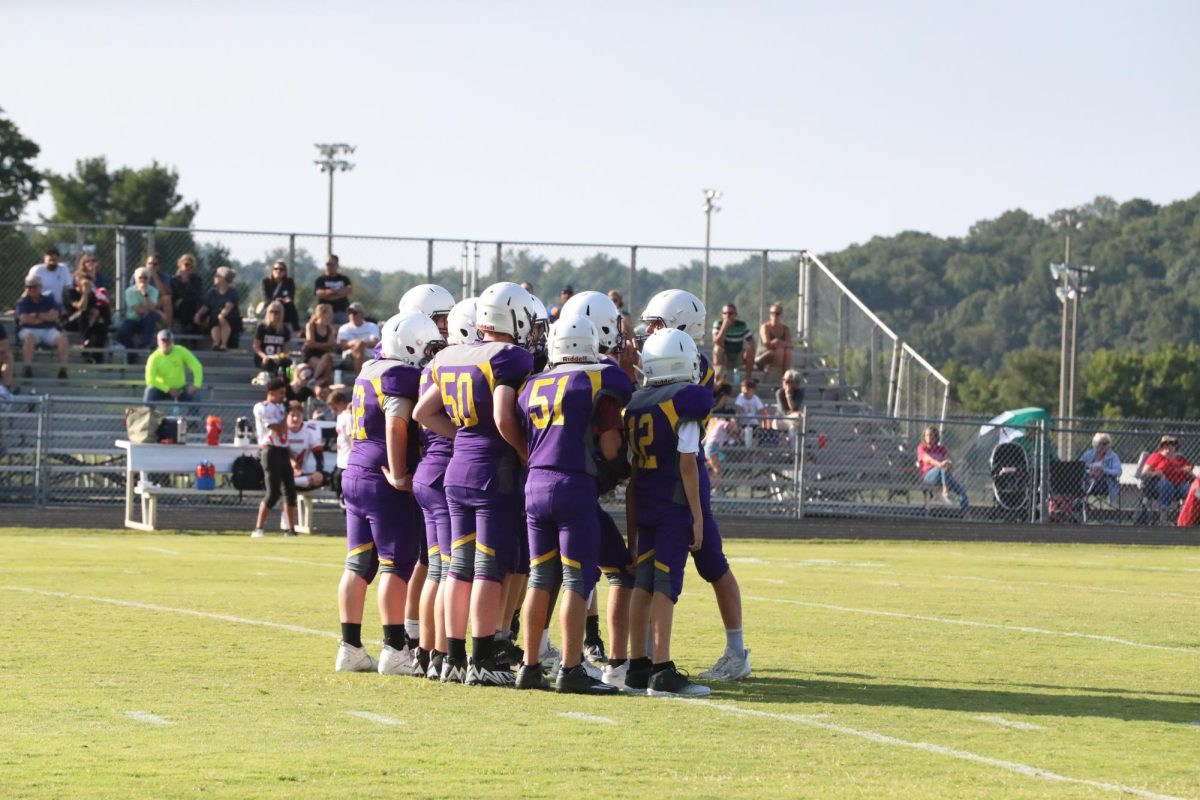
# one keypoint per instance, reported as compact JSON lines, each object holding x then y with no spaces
{"x":459,"y":401}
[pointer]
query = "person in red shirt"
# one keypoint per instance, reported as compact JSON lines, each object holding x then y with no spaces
{"x":933,"y":461}
{"x":1189,"y":514}
{"x":1167,"y":473}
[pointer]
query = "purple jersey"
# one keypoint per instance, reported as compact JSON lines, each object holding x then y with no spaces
{"x":707,"y":376}
{"x":652,"y":421}
{"x":435,"y":450}
{"x":378,"y":381}
{"x":559,"y":409}
{"x":467,"y":376}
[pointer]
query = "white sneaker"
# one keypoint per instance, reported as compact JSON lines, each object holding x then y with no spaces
{"x":592,"y":670}
{"x":551,"y":659}
{"x":729,"y":668}
{"x":354,"y":659}
{"x":395,"y":662}
{"x":615,"y":676}
{"x":257,"y":533}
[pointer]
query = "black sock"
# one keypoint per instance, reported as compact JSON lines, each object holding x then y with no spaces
{"x":412,"y":643}
{"x":515,"y":625}
{"x":639,"y":663}
{"x":616,"y":662}
{"x":481,"y":647}
{"x":352,"y":633}
{"x":592,"y":634}
{"x":423,"y":659}
{"x":662,"y":666}
{"x":393,"y":636}
{"x":458,"y":650}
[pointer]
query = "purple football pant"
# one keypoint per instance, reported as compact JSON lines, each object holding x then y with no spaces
{"x":432,"y":501}
{"x":664,"y":533}
{"x":380,"y":519}
{"x":710,"y":559}
{"x":614,"y":555}
{"x":488,"y":523}
{"x":560,"y":510}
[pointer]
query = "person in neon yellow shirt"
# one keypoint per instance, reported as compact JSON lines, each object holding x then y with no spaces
{"x":166,"y":377}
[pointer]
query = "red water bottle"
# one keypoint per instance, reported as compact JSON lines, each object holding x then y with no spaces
{"x":213,"y":426}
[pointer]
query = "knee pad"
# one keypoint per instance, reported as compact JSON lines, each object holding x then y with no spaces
{"x":488,"y":567}
{"x":644,"y":579}
{"x":575,"y":580}
{"x":434,"y":575}
{"x":667,"y":583}
{"x":546,"y":575}
{"x":462,"y":559}
{"x":619,"y":578}
{"x":363,"y":564}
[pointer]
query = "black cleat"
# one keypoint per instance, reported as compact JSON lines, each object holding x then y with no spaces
{"x":506,"y":654}
{"x":530,"y":676}
{"x":670,"y":682}
{"x":594,"y":652}
{"x":485,"y":672}
{"x":452,"y":672}
{"x":436,"y":659}
{"x":637,"y":679}
{"x":575,"y":680}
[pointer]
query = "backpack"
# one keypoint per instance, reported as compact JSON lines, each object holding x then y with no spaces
{"x":247,"y":474}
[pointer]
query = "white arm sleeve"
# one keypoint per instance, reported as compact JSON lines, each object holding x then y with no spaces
{"x":689,"y":438}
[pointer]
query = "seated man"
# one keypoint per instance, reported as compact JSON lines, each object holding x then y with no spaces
{"x":306,"y":446}
{"x":733,"y":343}
{"x":166,"y":371}
{"x":358,"y":337}
{"x":1103,"y":468}
{"x":1166,"y":473}
{"x":776,"y":341}
{"x":38,"y":315}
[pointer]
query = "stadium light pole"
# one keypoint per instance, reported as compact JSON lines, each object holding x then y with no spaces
{"x":710,"y":205}
{"x":331,"y":161}
{"x":1066,"y":220}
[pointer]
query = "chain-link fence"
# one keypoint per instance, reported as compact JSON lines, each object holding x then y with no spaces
{"x":870,"y":466}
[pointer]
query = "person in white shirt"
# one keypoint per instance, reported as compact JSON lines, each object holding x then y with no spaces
{"x":358,"y":337}
{"x":56,"y":277}
{"x":306,"y":448}
{"x":339,"y":404}
{"x":270,"y":422}
{"x":748,"y":404}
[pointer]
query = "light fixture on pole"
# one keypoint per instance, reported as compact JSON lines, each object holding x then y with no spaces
{"x":710,"y":205}
{"x":1068,"y":221}
{"x":331,"y":161}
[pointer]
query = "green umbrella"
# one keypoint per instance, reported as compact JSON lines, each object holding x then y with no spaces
{"x":1017,"y":419}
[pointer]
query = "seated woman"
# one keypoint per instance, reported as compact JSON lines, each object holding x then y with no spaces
{"x":1103,"y":466}
{"x":187,"y":292}
{"x":933,"y":461}
{"x":219,"y":313}
{"x":271,"y":340}
{"x":320,"y":342}
{"x":279,"y":286}
{"x":86,"y":316}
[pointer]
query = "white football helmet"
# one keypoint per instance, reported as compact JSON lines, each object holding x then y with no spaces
{"x":603,"y":313}
{"x":428,"y":298}
{"x":411,"y":338}
{"x":669,"y":356}
{"x":573,"y":340}
{"x":460,"y":323}
{"x":541,"y":324}
{"x":505,"y":307}
{"x":675,"y":308}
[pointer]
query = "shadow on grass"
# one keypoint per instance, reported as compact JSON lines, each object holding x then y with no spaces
{"x":1018,"y":685}
{"x":804,"y":689}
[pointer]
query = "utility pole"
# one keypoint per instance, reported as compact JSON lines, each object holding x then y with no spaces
{"x":331,"y":161}
{"x":710,"y":205}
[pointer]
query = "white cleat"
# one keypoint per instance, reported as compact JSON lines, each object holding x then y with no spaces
{"x":551,"y":660}
{"x":395,"y":662}
{"x":615,"y":676}
{"x":729,"y":668}
{"x":257,"y":533}
{"x":593,"y":672}
{"x":354,"y":659}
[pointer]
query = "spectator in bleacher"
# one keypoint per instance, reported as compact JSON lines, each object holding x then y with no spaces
{"x":733,"y":343}
{"x":141,"y":311}
{"x":298,"y":390}
{"x":1103,"y":468}
{"x":187,"y":292}
{"x":279,"y":286}
{"x":935,"y":467}
{"x":358,"y":337}
{"x":55,"y":276}
{"x":86,"y":316}
{"x":334,"y":288}
{"x":1167,"y":473}
{"x":776,"y":340}
{"x":166,"y":371}
{"x":160,"y":281}
{"x":306,"y":448}
{"x":749,"y":406}
{"x":219,"y":314}
{"x":38,"y":315}
{"x":271,"y":340}
{"x":789,"y":397}
{"x":89,"y":265}
{"x":6,"y":361}
{"x":320,"y":342}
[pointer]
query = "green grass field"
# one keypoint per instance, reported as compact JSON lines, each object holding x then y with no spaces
{"x":181,"y":665}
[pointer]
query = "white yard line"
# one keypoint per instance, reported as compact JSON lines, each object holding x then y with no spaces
{"x":812,"y":721}
{"x":162,"y":550}
{"x":146,"y":717}
{"x":973,"y":624}
{"x":1010,"y":723}
{"x":935,"y":749}
{"x":588,"y":717}
{"x":377,"y":718}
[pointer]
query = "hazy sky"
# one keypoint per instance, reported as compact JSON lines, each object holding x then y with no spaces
{"x":824,"y":124}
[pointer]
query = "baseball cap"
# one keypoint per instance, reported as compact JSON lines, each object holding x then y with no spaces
{"x":357,"y":307}
{"x":165,"y":333}
{"x":33,"y":280}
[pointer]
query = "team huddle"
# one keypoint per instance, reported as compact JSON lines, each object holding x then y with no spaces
{"x":482,"y":437}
